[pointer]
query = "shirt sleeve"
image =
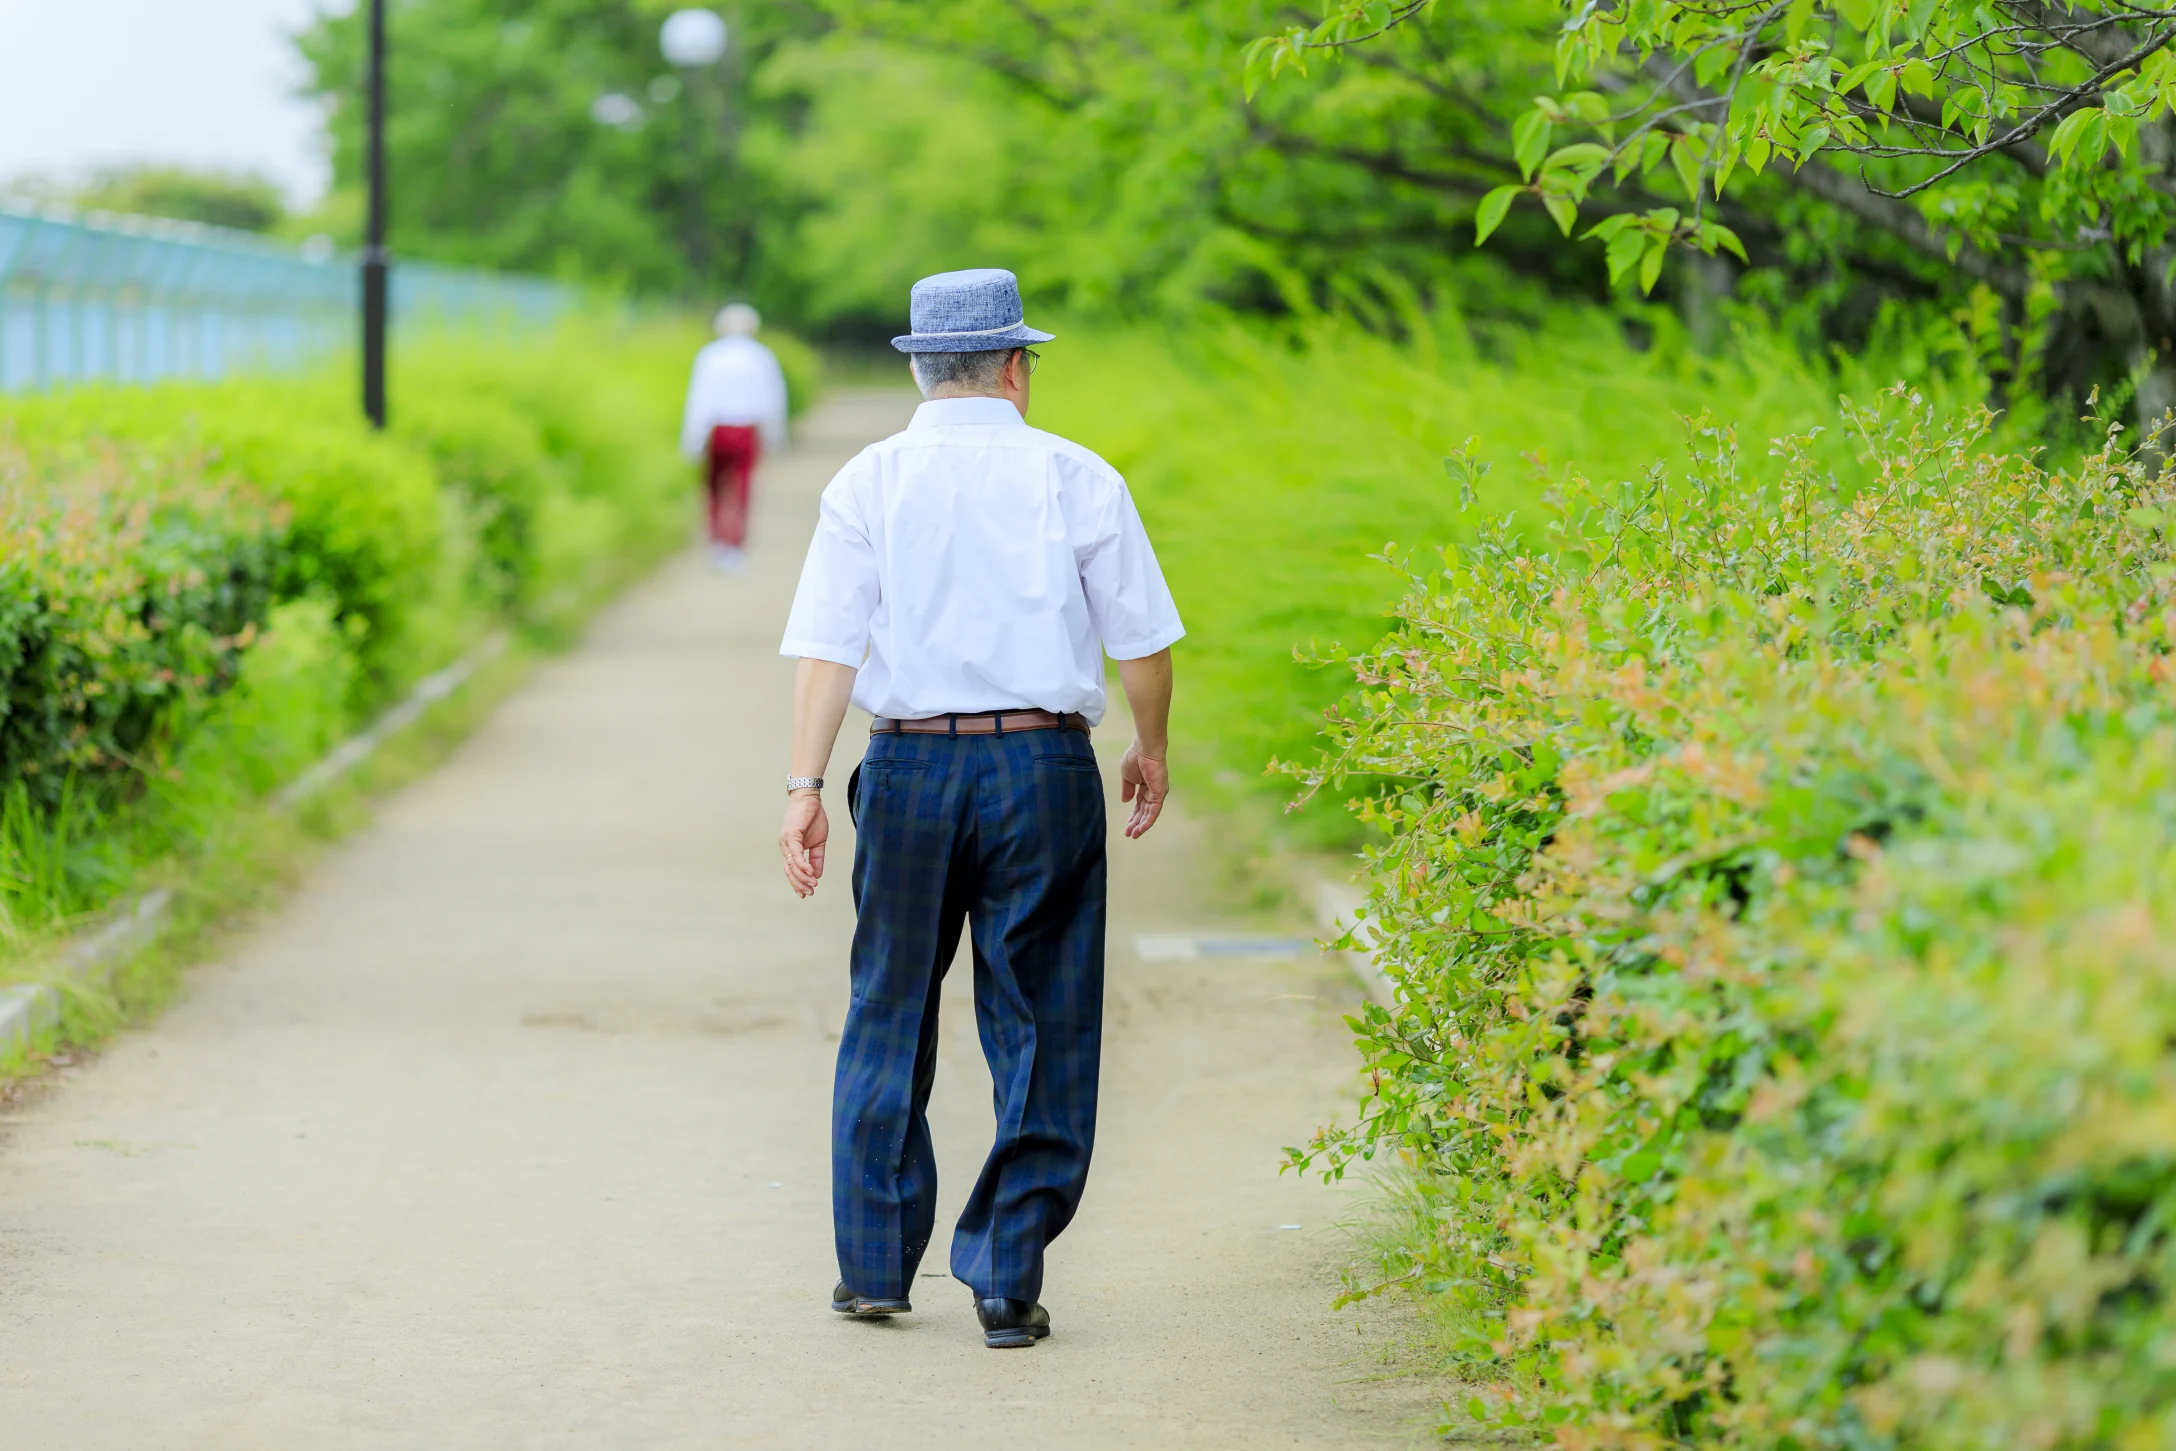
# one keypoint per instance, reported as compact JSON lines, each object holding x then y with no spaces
{"x":1127,"y":596}
{"x":695,"y":418}
{"x":839,"y":589}
{"x":774,"y":402}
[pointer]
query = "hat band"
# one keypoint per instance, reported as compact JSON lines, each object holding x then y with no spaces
{"x":978,"y":332}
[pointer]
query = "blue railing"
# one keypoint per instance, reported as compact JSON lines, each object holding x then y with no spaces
{"x":99,"y":297}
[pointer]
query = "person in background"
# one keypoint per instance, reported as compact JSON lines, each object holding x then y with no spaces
{"x":965,"y":582}
{"x":736,"y":409}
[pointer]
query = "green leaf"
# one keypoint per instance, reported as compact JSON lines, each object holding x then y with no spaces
{"x":1623,"y":252}
{"x":1653,"y":149}
{"x":1651,"y":264}
{"x":2123,"y":131}
{"x":1686,"y":154}
{"x":1591,"y":107}
{"x":1530,"y":141}
{"x":1490,"y":215}
{"x":1582,"y":156}
{"x":1564,"y":209}
{"x":1254,"y":68}
{"x":1724,"y":165}
{"x":1857,"y":76}
{"x":1717,"y":235}
{"x":2067,"y":134}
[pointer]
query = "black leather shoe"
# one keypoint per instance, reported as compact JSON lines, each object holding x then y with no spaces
{"x":1011,"y":1324}
{"x":846,"y":1302}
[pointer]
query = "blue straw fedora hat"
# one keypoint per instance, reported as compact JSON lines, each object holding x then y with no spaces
{"x":967,"y":312}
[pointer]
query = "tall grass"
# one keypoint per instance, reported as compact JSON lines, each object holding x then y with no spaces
{"x":61,"y":862}
{"x":1271,"y":465}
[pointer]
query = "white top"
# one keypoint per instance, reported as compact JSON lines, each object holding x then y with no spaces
{"x":735,"y":381}
{"x":973,"y":563}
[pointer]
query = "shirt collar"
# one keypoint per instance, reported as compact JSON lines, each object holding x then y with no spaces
{"x":941,"y":412}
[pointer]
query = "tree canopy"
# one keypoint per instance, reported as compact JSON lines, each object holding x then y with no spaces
{"x":2025,"y":145}
{"x":1993,"y":177}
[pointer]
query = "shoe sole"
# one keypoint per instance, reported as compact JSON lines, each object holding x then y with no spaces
{"x":1014,"y":1339}
{"x":871,"y":1309}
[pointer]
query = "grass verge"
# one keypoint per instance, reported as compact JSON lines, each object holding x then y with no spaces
{"x":1273,"y":466}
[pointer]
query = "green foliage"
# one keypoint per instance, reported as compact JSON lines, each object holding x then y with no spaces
{"x":201,"y":586}
{"x":1998,"y":119}
{"x":558,"y":140}
{"x":1777,"y":883}
{"x":360,"y":516}
{"x":1125,"y":158}
{"x":2015,"y":151}
{"x":1270,"y":466}
{"x":220,"y":199}
{"x":1102,"y":148}
{"x":127,"y":595}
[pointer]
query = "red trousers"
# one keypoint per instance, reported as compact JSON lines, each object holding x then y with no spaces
{"x":728,"y":466}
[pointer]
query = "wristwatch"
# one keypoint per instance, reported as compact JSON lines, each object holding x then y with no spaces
{"x":804,"y":783}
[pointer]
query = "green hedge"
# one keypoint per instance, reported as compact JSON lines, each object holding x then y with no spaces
{"x":1780,"y":888}
{"x":126,"y":592}
{"x":154,"y":541}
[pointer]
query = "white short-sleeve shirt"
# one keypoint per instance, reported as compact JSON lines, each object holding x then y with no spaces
{"x":734,"y":381}
{"x":973,"y":563}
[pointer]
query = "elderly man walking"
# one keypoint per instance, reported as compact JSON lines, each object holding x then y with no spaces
{"x":736,"y":408}
{"x":966,"y":579}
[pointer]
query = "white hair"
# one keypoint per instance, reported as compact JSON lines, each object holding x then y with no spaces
{"x":737,"y":320}
{"x":978,"y":371}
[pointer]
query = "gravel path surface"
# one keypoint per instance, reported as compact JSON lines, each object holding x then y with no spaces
{"x":510,"y":1130}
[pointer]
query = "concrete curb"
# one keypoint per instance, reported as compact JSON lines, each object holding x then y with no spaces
{"x":26,"y":1009}
{"x":359,"y":748}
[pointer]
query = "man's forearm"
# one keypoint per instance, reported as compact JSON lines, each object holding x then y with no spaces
{"x":1147,"y":682}
{"x":821,"y":691}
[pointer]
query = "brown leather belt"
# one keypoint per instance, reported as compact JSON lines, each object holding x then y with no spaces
{"x":984,"y":723}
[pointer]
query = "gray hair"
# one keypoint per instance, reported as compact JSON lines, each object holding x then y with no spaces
{"x":978,"y":371}
{"x":737,"y":320}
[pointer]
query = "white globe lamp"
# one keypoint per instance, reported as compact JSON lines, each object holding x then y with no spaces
{"x":692,"y":38}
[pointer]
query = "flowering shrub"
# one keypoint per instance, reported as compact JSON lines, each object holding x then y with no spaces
{"x":147,"y":535}
{"x":127,"y":595}
{"x":1780,"y":885}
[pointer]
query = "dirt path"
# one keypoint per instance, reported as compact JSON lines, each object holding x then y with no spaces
{"x":510,"y":1130}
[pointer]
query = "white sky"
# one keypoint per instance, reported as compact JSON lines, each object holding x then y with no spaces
{"x":208,"y":83}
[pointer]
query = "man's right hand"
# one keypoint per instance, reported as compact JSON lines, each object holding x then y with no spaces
{"x":801,"y":841}
{"x":1145,"y":781}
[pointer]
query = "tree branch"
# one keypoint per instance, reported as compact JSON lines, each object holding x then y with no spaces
{"x":1848,"y":194}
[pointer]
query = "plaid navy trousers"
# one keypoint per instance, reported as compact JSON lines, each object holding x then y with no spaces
{"x":1004,"y":832}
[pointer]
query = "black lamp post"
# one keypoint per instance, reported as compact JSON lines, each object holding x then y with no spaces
{"x":374,"y":253}
{"x":691,"y":41}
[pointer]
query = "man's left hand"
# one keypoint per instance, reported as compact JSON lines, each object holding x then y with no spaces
{"x":1145,"y":781}
{"x":801,"y":841}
